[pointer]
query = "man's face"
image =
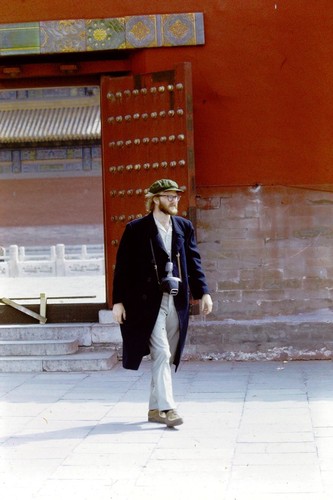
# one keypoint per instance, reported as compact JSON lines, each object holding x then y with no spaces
{"x":166,"y":206}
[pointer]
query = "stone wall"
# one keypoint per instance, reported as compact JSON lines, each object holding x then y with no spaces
{"x":267,"y":252}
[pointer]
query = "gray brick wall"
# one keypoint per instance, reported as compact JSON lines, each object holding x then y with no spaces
{"x":267,"y":253}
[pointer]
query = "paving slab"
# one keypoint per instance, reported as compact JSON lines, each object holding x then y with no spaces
{"x":252,"y":430}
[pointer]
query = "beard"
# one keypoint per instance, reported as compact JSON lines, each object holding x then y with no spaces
{"x":168,"y":209}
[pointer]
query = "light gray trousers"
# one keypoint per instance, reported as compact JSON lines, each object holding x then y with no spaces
{"x":163,"y":344}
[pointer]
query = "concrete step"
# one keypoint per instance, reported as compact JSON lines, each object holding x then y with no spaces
{"x":81,"y":361}
{"x":38,"y":347}
{"x":86,"y":333}
{"x":53,"y":347}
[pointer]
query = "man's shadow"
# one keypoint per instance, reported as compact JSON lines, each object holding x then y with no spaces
{"x":84,"y":431}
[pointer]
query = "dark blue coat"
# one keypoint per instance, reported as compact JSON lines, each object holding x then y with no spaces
{"x":136,"y":286}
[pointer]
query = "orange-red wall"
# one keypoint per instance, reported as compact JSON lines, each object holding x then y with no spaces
{"x":263,"y":82}
{"x":44,"y":202}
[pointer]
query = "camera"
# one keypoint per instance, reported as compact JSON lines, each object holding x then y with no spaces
{"x":170,"y":285}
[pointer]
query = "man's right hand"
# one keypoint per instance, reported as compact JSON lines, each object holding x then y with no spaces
{"x":119,"y":313}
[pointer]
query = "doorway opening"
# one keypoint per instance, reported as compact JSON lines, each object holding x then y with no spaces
{"x":51,"y":220}
{"x":55,"y":180}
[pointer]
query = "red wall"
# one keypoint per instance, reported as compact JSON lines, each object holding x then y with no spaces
{"x":44,"y":202}
{"x":263,"y":82}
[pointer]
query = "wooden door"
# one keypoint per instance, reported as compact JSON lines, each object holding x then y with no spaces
{"x":147,"y":134}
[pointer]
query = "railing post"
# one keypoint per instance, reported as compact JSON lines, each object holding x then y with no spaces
{"x":21,"y":254}
{"x":13,"y":261}
{"x":84,"y":253}
{"x":60,"y":259}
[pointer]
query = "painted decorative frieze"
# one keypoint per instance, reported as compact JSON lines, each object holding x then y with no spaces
{"x":23,"y":38}
{"x":63,"y":36}
{"x":80,"y":35}
{"x":50,"y":162}
{"x":106,"y":34}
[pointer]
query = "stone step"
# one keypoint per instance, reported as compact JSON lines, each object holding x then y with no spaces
{"x":81,"y":361}
{"x":38,"y":347}
{"x":86,"y":333}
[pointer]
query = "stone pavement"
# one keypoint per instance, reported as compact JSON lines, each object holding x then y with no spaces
{"x":252,"y":430}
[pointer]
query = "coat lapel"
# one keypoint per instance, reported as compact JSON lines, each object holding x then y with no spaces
{"x":155,"y":235}
{"x":177,"y":237}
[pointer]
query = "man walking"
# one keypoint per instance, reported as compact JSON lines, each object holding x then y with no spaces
{"x":158,"y":265}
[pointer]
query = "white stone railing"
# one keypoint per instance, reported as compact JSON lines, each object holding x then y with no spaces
{"x":56,"y":262}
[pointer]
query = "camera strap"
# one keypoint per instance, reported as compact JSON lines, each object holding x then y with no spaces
{"x":155,"y":264}
{"x":179,"y":266}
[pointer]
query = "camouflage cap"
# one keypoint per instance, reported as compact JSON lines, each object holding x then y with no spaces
{"x":163,"y":185}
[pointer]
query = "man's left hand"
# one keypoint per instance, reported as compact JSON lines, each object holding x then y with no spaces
{"x":206,"y":304}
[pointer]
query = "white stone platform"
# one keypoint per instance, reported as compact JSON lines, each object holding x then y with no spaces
{"x":252,"y":431}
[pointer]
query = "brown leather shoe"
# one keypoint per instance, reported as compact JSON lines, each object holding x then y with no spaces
{"x":157,"y":416}
{"x":173,"y":419}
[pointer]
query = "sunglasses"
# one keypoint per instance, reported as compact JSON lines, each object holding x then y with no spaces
{"x":170,"y":197}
